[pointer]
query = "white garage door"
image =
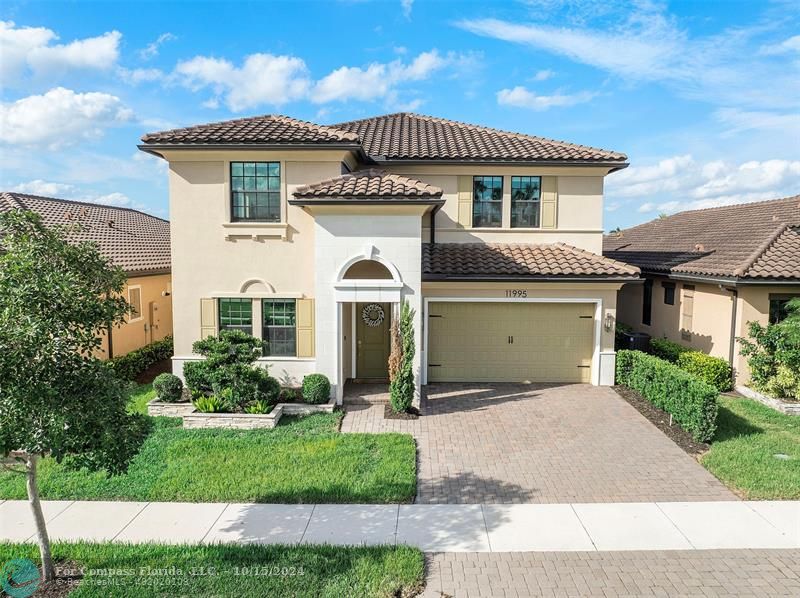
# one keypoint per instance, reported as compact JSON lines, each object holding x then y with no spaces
{"x":510,"y":342}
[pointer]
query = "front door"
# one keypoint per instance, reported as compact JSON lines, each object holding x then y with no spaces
{"x":372,"y":337}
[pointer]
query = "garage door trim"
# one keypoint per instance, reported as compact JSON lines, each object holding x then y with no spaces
{"x":598,"y":310}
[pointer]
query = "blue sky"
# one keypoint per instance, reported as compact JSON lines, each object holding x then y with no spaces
{"x":702,"y":96}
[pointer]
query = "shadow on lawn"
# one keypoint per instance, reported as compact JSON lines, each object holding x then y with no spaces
{"x":730,"y":425}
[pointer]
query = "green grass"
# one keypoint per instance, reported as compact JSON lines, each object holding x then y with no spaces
{"x":318,"y":571}
{"x":303,"y":460}
{"x":748,"y":436}
{"x":140,"y":395}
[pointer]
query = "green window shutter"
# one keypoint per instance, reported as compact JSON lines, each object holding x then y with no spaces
{"x":305,"y":327}
{"x":465,"y":201}
{"x":208,"y":318}
{"x":549,"y":201}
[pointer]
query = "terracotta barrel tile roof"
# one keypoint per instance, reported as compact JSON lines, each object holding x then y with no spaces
{"x":368,"y":185}
{"x":463,"y":260}
{"x":405,"y":136}
{"x":135,"y":241}
{"x":746,"y":240}
{"x":257,"y":129}
{"x":401,"y":136}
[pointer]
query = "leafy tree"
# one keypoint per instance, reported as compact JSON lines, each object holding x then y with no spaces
{"x":56,"y":398}
{"x":401,"y":387}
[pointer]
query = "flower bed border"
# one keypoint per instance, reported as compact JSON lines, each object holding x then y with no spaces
{"x":238,"y":421}
{"x":786,"y":407}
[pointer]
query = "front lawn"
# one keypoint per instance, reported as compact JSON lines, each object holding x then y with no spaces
{"x":303,"y":460}
{"x":743,"y":450}
{"x":122,"y":570}
{"x":139,"y":396}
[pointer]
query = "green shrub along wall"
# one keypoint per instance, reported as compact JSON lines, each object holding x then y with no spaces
{"x":691,"y":401}
{"x":130,"y":365}
{"x":712,"y":370}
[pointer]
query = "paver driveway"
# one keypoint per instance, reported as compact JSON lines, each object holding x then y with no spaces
{"x":511,"y":443}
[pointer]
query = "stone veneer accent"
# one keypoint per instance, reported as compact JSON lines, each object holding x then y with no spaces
{"x":787,"y":407}
{"x":250,"y":421}
{"x":156,"y":407}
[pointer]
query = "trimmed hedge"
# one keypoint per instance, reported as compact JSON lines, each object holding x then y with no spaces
{"x":666,"y":349}
{"x":712,"y":370}
{"x":691,"y":402}
{"x":168,"y":387}
{"x":316,"y":389}
{"x":130,"y":365}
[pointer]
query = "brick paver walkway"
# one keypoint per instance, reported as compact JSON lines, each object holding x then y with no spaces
{"x":537,"y":444}
{"x":755,"y":573}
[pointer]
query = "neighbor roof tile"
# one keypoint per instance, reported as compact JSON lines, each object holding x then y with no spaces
{"x":132,"y":240}
{"x":754,"y":240}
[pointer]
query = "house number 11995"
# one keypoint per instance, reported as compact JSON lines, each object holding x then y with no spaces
{"x":516,"y":293}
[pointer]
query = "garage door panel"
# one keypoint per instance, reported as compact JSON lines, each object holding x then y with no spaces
{"x":470,"y":342}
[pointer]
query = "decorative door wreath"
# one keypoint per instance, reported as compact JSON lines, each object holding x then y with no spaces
{"x":372,"y":315}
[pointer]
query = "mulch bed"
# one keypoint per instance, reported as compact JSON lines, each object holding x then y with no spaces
{"x":389,"y":413}
{"x":660,"y":419}
{"x":159,"y":367}
{"x":68,"y":577}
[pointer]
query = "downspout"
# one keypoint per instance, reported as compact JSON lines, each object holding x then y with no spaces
{"x":110,"y":343}
{"x":732,"y":348}
{"x":436,"y":208}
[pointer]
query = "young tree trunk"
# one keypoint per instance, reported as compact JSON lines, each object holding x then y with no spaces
{"x":48,"y":570}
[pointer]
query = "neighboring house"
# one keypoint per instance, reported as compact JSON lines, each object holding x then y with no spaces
{"x":136,"y":242}
{"x":310,"y":237}
{"x":710,"y":272}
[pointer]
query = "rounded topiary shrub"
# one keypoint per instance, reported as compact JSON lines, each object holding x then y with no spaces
{"x":268,"y":389}
{"x":169,"y":388}
{"x":316,"y":389}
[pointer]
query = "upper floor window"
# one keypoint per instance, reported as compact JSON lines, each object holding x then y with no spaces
{"x":487,"y":201}
{"x":256,"y":191}
{"x":279,"y":334}
{"x":669,"y":293}
{"x":236,"y":314}
{"x":525,"y":195}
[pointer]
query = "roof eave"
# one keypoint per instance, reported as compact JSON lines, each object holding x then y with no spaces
{"x":157,"y":148}
{"x":147,"y":272}
{"x":303,"y":201}
{"x":724,"y":279}
{"x":614,"y":165}
{"x":530,"y":278}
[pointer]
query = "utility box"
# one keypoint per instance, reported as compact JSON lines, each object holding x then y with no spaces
{"x":635,"y":341}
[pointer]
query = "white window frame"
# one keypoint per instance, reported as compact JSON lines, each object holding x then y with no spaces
{"x":141,"y":311}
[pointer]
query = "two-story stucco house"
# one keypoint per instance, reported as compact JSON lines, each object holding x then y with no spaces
{"x":311,"y":236}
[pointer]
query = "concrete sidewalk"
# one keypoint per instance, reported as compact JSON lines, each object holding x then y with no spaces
{"x":432,"y":528}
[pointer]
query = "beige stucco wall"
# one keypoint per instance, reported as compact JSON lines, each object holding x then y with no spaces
{"x":711,"y":321}
{"x":156,"y":319}
{"x":753,"y":306}
{"x":580,"y":205}
{"x":711,"y":324}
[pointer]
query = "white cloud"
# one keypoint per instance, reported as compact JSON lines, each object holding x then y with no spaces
{"x":151,"y":49}
{"x":71,"y":193}
{"x":406,"y":6}
{"x":29,"y":49}
{"x":276,"y":80}
{"x":380,"y":80}
{"x":647,"y":44}
{"x":262,"y":79}
{"x":682,"y":183}
{"x":787,"y":46}
{"x":543,"y":75}
{"x":138,"y":76}
{"x":60,"y":117}
{"x":737,"y":121}
{"x":521,"y":97}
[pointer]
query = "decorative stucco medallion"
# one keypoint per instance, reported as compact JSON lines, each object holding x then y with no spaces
{"x":372,"y":315}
